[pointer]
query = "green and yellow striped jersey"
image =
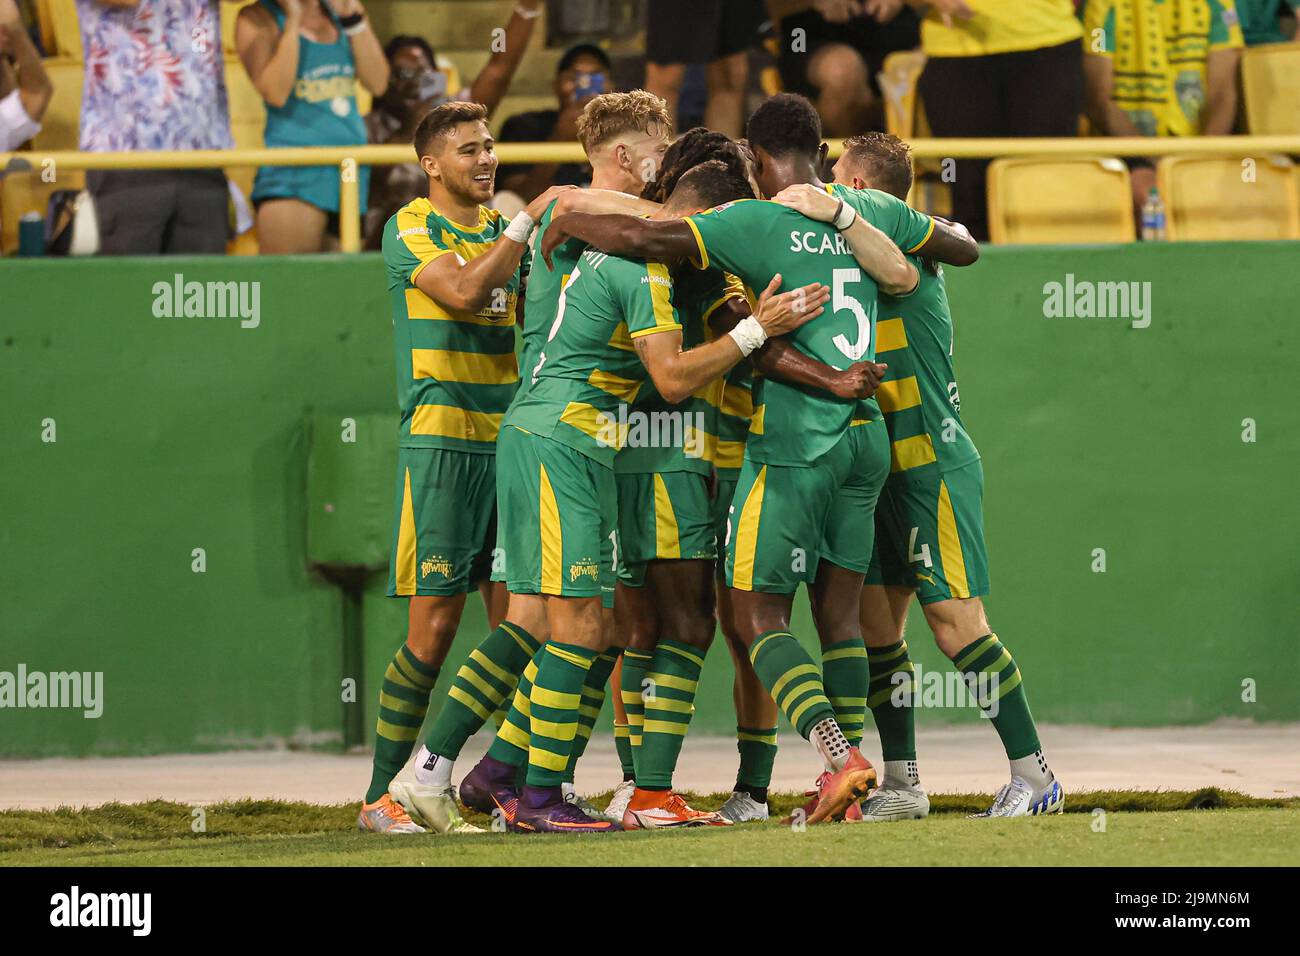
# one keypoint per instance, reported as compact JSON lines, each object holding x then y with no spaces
{"x":542,"y":297}
{"x":456,"y":370}
{"x":663,"y":437}
{"x":755,"y":239}
{"x":914,"y":337}
{"x":730,"y":398}
{"x":587,"y":377}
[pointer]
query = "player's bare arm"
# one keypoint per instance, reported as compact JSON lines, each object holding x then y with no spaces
{"x":677,"y":374}
{"x":780,"y":358}
{"x":663,"y":240}
{"x":603,"y":202}
{"x":468,"y":286}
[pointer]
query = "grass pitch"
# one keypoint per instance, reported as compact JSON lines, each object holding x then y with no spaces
{"x":1206,"y":827}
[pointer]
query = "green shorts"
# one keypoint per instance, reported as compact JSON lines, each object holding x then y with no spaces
{"x":557,"y":514}
{"x":930,"y":535}
{"x":785,"y":518}
{"x":446,"y":506}
{"x":662,"y":517}
{"x":720,"y":509}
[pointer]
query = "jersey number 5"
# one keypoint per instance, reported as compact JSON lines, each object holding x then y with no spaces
{"x":841,"y":300}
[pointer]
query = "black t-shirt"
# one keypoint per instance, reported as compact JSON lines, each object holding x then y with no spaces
{"x":537,"y":127}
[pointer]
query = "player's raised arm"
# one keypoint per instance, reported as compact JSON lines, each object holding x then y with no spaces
{"x":623,"y":235}
{"x":874,"y":250}
{"x":603,"y":202}
{"x":469,"y":286}
{"x":779,"y":358}
{"x":677,"y":374}
{"x":951,"y":243}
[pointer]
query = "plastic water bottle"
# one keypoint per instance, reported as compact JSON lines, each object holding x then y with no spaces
{"x":1153,"y":217}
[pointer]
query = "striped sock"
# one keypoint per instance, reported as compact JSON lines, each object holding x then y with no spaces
{"x":792,"y":679}
{"x":403,"y":701}
{"x":669,"y":703}
{"x":757,"y":748}
{"x":593,"y":699}
{"x":553,"y":706}
{"x":844,"y":672}
{"x":510,"y":746}
{"x":893,"y":681}
{"x":484,"y":683}
{"x":623,"y":744}
{"x":635,"y":665}
{"x":994,"y":679}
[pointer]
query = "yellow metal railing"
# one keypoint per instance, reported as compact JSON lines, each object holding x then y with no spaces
{"x":348,"y":158}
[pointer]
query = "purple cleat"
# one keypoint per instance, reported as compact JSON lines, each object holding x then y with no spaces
{"x":544,"y":810}
{"x":490,"y":788}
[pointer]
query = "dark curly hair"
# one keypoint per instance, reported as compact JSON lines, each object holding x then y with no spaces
{"x":695,"y":146}
{"x":786,"y":124}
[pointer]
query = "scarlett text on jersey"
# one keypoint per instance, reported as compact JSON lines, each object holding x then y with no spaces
{"x":56,"y":689}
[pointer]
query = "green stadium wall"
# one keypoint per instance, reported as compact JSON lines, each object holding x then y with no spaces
{"x":174,"y":434}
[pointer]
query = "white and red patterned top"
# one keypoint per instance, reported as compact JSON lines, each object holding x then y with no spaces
{"x":154,"y":76}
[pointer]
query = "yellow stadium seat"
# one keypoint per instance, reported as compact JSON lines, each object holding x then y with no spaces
{"x":1083,"y":199}
{"x":64,"y":27}
{"x":1270,"y":80}
{"x":61,"y":124}
{"x":898,"y":79}
{"x":1215,"y":198}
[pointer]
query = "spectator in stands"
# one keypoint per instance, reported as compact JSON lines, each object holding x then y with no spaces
{"x":22,"y":98}
{"x":1161,"y":68}
{"x":833,"y":53}
{"x":719,"y":33}
{"x":998,"y":68}
{"x":417,"y":85}
{"x":582,"y":74}
{"x":155,"y":81}
{"x":305,"y":57}
{"x":1266,"y":21}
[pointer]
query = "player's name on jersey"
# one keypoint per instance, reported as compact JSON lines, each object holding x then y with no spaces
{"x":819,"y":243}
{"x":632,"y":428}
{"x":1085,"y":299}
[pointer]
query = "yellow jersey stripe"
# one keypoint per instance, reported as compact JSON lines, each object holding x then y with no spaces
{"x":624,"y":389}
{"x":728,"y":454}
{"x":747,"y":534}
{"x":891,"y":335}
{"x":598,"y":425}
{"x":899,"y":394}
{"x":448,"y":421}
{"x":405,"y":576}
{"x":911,"y":453}
{"x":552,"y":537}
{"x":420,"y":306}
{"x":702,"y":260}
{"x":737,"y":402}
{"x":473,"y":368}
{"x":667,"y":543}
{"x":950,"y":553}
{"x":756,"y":423}
{"x":621,"y":339}
{"x":928,"y":233}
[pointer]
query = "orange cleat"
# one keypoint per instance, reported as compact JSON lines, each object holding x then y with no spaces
{"x":659,"y":809}
{"x":844,"y":788}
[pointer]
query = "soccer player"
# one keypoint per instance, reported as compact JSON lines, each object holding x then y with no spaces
{"x":930,"y":534}
{"x":625,"y":136}
{"x":814,"y":464}
{"x":557,"y":497}
{"x":454,"y":276}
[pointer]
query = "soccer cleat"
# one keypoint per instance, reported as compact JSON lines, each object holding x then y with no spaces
{"x":619,"y":801}
{"x":490,"y":788}
{"x":1019,"y":799}
{"x":895,"y":803}
{"x":660,"y":809}
{"x":433,"y":808}
{"x":385,"y":816}
{"x":852,"y":814}
{"x":840,"y":791}
{"x":742,"y":808}
{"x":546,"y":811}
{"x":583,"y":804}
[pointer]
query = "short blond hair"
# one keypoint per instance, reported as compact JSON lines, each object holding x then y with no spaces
{"x":610,"y":114}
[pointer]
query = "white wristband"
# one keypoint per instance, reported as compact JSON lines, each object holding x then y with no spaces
{"x":520,"y":227}
{"x":845,"y":217}
{"x":748,"y":334}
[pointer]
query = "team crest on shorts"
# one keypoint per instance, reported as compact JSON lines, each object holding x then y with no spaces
{"x":584,"y":567}
{"x":435,"y":563}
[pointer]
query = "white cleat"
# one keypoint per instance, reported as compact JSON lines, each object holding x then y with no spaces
{"x":583,"y":804}
{"x":742,"y":808}
{"x":385,"y":816}
{"x":618,"y":802}
{"x":895,"y":803}
{"x":433,"y":808}
{"x":1019,"y":799}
